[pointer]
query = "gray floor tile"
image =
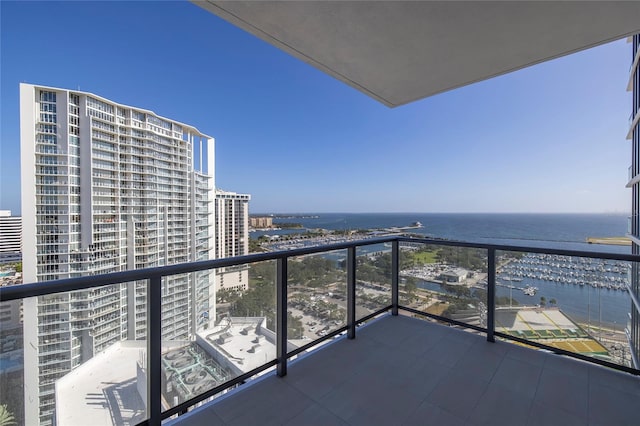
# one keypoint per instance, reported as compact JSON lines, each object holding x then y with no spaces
{"x":457,"y":393}
{"x":498,"y":347}
{"x":520,"y":377}
{"x":552,"y":415}
{"x":566,"y":365}
{"x":391,"y":334}
{"x":316,"y":415}
{"x":612,"y":407}
{"x":613,"y":379}
{"x":500,"y":406}
{"x":317,"y":384}
{"x":388,"y":410}
{"x":368,"y":395}
{"x":429,"y":414}
{"x":565,"y":390}
{"x":401,"y":370}
{"x":263,"y":402}
{"x":481,"y":361}
{"x":423,"y":341}
{"x":531,"y":356}
{"x":316,"y":378}
{"x":449,"y":351}
{"x":204,"y":416}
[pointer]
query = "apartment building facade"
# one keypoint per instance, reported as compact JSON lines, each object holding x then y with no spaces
{"x":232,"y":238}
{"x":261,"y":222}
{"x":10,"y":237}
{"x":105,"y":188}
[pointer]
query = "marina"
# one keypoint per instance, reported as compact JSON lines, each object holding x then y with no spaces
{"x":590,"y":291}
{"x":607,"y":274}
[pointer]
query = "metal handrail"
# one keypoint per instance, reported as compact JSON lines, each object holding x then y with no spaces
{"x":82,"y":283}
{"x":154,"y":276}
{"x":85,"y":282}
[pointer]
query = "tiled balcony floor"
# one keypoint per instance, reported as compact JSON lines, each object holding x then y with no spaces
{"x":401,"y":370}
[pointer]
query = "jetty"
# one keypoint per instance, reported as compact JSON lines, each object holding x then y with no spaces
{"x":614,"y":241}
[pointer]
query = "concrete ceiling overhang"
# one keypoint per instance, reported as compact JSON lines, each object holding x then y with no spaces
{"x":401,"y":51}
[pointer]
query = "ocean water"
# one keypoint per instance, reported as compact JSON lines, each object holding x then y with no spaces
{"x":568,"y":231}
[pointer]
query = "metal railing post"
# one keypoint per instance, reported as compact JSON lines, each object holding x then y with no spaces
{"x":395,"y":270}
{"x":491,"y":293}
{"x":351,"y":292}
{"x":281,"y":316}
{"x":154,"y":350}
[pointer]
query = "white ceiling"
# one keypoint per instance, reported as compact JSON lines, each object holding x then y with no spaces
{"x":401,"y":51}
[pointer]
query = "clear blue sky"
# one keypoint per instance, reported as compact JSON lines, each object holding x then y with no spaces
{"x":550,"y":138}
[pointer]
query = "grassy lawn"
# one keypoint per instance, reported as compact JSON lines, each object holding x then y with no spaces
{"x":424,"y":257}
{"x":437,"y":308}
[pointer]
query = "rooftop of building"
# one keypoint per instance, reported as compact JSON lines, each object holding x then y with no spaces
{"x":110,"y":388}
{"x":244,"y":343}
{"x":103,"y":389}
{"x":103,"y":99}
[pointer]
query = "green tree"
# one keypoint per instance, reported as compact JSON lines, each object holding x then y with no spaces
{"x":410,"y":286}
{"x":553,"y":301}
{"x":543,"y":301}
{"x":6,"y":417}
{"x":227,"y":295}
{"x":295,"y":328}
{"x":255,"y":245}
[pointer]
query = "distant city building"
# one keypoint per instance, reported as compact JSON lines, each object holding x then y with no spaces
{"x":232,"y":238}
{"x":10,"y":318}
{"x":10,"y":237}
{"x":11,"y":311}
{"x":633,"y":331}
{"x":107,"y":187}
{"x":239,"y":344}
{"x":455,"y":275}
{"x":261,"y":221}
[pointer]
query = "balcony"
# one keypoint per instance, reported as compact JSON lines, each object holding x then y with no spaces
{"x":383,"y":356}
{"x":401,"y":370}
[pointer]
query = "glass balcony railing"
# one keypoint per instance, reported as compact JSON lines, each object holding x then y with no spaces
{"x":183,"y":334}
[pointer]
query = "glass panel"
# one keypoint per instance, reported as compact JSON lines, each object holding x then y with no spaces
{"x":444,"y":280}
{"x":70,"y":357}
{"x":373,"y":278}
{"x":573,"y":303}
{"x":12,"y":360}
{"x":234,"y":321}
{"x":317,"y":296}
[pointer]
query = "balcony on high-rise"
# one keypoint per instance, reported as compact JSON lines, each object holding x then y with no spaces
{"x":341,"y":334}
{"x":353,"y":341}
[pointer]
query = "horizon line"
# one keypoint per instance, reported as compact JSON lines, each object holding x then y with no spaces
{"x":614,"y":213}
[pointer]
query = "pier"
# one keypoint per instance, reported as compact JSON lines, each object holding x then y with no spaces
{"x":612,"y":241}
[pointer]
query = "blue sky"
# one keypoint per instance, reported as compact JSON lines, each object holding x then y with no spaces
{"x":550,"y":138}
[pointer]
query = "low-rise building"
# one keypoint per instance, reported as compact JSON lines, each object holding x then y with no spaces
{"x":455,"y":275}
{"x":10,"y":237}
{"x":261,"y":222}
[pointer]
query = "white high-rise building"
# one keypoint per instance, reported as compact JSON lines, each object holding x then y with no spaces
{"x":10,"y":237}
{"x":232,"y":238}
{"x":105,"y":188}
